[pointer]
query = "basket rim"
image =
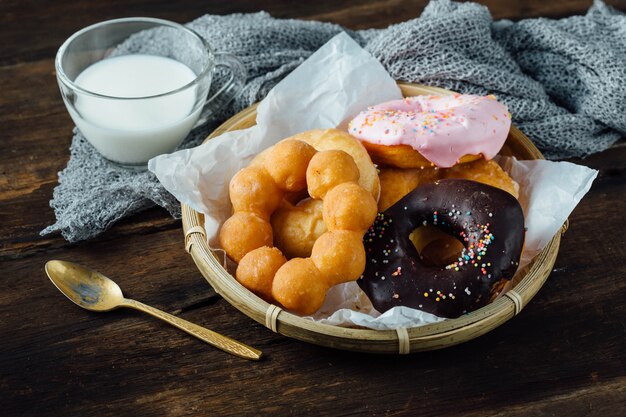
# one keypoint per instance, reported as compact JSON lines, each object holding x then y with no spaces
{"x":425,"y":337}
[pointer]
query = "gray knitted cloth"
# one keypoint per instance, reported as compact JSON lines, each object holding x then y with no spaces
{"x":561,"y":79}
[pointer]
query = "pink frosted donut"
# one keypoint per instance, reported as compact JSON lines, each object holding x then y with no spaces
{"x":443,"y":129}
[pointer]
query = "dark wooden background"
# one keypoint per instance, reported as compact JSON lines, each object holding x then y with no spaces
{"x":563,"y":356}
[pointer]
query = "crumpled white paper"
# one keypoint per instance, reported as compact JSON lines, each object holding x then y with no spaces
{"x":326,"y":91}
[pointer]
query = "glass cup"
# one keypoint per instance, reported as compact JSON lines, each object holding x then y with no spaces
{"x":130,"y":120}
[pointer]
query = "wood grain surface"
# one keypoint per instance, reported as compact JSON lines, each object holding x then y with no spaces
{"x":564,"y":355}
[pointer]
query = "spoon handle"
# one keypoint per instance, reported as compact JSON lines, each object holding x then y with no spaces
{"x":215,"y":339}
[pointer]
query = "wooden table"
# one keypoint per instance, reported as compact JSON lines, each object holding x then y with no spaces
{"x":564,"y":355}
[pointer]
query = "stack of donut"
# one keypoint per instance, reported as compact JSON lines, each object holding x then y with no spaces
{"x":303,"y":207}
{"x":423,"y":139}
{"x":464,"y":237}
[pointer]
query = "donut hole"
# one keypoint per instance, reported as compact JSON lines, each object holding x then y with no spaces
{"x":434,"y":246}
{"x":296,"y":228}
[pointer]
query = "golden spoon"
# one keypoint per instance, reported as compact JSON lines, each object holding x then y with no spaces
{"x":93,"y":291}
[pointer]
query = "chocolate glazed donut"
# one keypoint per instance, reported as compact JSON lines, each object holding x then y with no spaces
{"x":488,"y":221}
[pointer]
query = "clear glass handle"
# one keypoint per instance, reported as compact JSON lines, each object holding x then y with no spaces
{"x":227,"y":92}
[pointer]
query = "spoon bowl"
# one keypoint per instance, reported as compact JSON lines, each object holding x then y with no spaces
{"x":93,"y":291}
{"x":87,"y":288}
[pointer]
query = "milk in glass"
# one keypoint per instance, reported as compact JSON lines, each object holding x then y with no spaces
{"x":129,"y":118}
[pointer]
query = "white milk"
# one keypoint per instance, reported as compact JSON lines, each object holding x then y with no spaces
{"x":133,"y":131}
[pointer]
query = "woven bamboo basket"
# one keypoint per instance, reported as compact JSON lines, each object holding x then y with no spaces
{"x":428,"y":337}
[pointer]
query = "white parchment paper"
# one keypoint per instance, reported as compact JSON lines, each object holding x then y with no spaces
{"x":326,"y":91}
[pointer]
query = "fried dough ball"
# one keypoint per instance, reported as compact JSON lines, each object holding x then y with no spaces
{"x":395,"y":183}
{"x":257,"y":268}
{"x":329,"y":139}
{"x":349,"y":206}
{"x":328,"y":169}
{"x":253,"y":189}
{"x":244,"y":232}
{"x":296,"y":228}
{"x":487,"y":172}
{"x":287,"y":162}
{"x":299,"y":286}
{"x":340,"y":255}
